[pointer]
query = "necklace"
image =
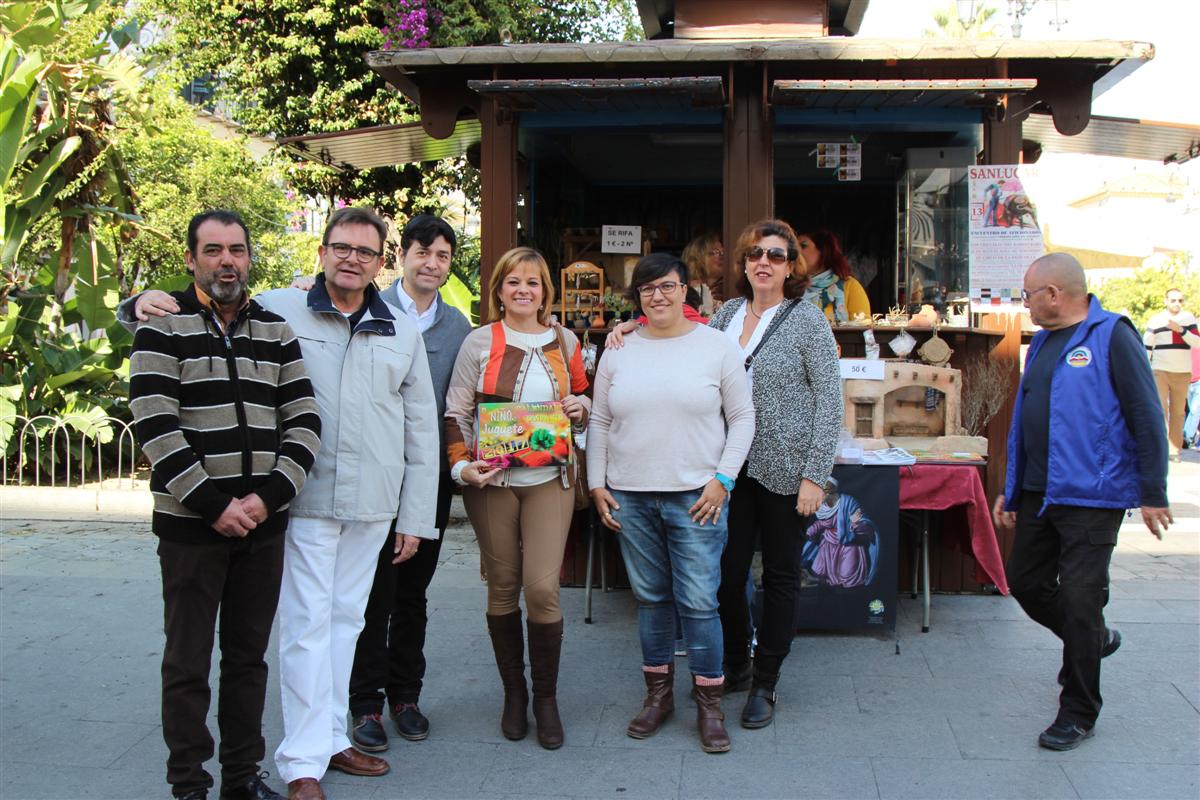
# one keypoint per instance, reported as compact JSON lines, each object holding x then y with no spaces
{"x":750,"y":308}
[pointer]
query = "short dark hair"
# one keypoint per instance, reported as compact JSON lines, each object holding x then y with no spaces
{"x":649,"y":269}
{"x":221,"y":215}
{"x":796,"y":281}
{"x":424,"y":229}
{"x":353,"y":215}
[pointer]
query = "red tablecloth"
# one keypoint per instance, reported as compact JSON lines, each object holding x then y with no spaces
{"x":936,"y":487}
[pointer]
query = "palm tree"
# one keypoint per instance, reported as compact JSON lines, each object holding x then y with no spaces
{"x":948,"y":25}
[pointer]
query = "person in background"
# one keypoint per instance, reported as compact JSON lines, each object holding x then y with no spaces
{"x":831,"y":287}
{"x":389,"y":660}
{"x":521,"y":516}
{"x":671,"y":425}
{"x":704,"y":258}
{"x":1191,"y":425}
{"x":1067,"y":486}
{"x":1170,"y":336}
{"x":791,"y":358}
{"x":230,"y":441}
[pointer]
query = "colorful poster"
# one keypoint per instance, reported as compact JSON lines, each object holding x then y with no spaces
{"x":1005,"y":236}
{"x":844,"y":158}
{"x":848,"y":552}
{"x":523,"y":435}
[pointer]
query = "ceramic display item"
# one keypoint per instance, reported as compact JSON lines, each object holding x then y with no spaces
{"x":935,"y":351}
{"x":902,"y":344}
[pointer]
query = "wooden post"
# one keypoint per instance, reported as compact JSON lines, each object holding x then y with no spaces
{"x":498,"y":192}
{"x":749,"y":159}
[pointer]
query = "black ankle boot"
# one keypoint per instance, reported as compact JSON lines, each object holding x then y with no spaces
{"x":759,"y":710}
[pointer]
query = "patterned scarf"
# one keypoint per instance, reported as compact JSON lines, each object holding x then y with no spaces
{"x":825,"y":289}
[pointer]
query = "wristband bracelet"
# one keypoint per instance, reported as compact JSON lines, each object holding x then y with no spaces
{"x":726,"y":481}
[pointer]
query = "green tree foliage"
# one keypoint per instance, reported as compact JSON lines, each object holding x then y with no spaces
{"x":946,"y":24}
{"x":294,"y":67}
{"x":66,"y":197}
{"x":1141,"y":295}
{"x":180,"y":168}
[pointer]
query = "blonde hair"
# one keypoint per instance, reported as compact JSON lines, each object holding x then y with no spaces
{"x":507,"y":263}
{"x":695,"y":256}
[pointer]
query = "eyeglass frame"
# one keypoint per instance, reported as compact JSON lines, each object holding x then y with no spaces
{"x":659,"y":287}
{"x":363,"y":255}
{"x":1026,"y":294}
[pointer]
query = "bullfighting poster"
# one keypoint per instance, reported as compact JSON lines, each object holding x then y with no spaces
{"x":1004,"y":232}
{"x":523,"y":435}
{"x":848,"y":552}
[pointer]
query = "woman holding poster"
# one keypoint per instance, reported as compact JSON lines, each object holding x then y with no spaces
{"x":524,"y":380}
{"x":670,"y":428}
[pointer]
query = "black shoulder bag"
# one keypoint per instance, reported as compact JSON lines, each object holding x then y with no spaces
{"x":775,"y":323}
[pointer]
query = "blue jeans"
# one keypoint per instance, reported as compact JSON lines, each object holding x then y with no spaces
{"x":1192,"y":422}
{"x":673,"y":563}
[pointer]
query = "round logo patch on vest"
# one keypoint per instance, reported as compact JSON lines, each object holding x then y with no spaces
{"x":1079,"y":357}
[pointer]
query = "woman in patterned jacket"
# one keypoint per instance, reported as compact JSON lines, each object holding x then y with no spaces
{"x":797,"y":393}
{"x":520,"y":516}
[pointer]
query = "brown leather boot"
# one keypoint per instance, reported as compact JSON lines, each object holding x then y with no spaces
{"x":709,"y":718}
{"x":508,"y":642}
{"x":658,"y":705}
{"x":545,"y":647}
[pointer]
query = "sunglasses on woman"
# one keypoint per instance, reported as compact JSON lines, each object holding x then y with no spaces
{"x":775,"y":255}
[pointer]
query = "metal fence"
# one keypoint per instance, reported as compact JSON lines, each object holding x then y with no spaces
{"x":53,"y":451}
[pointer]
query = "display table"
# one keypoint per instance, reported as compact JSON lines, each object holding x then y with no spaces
{"x":937,"y":487}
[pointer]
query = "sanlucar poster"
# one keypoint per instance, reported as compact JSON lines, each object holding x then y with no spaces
{"x":1005,"y":235}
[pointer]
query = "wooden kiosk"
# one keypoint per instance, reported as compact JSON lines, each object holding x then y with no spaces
{"x":716,"y":119}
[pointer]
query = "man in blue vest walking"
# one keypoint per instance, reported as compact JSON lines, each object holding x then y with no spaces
{"x":1083,"y":447}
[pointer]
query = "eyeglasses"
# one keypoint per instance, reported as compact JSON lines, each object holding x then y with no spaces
{"x":343,"y":250}
{"x":666,"y":287}
{"x":717,"y":253}
{"x":1026,"y":294}
{"x":776,"y":255}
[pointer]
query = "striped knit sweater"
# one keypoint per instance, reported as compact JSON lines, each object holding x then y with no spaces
{"x":210,"y":438}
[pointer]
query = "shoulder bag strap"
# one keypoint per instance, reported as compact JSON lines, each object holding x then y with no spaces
{"x":775,"y":323}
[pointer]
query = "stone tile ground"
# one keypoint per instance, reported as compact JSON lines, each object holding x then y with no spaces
{"x":954,"y":715}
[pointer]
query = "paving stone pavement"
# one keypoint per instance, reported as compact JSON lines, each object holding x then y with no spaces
{"x":953,"y":713}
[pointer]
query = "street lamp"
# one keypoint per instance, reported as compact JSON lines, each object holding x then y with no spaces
{"x":968,"y":12}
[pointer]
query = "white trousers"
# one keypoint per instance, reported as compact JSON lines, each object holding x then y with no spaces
{"x":328,"y":568}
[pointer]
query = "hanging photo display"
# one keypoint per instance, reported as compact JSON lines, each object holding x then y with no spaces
{"x":845,"y":158}
{"x":848,"y":552}
{"x":1005,"y":235}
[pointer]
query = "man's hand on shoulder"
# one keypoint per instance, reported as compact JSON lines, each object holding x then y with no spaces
{"x":234,"y":522}
{"x":1157,"y":520}
{"x":154,"y":302}
{"x":303,"y":282}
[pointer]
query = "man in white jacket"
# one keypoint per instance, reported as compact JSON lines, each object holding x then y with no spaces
{"x":1169,"y":338}
{"x":379,"y":445}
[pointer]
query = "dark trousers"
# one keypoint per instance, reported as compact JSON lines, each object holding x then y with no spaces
{"x":390,"y":654}
{"x":238,"y":578}
{"x":1058,"y":572}
{"x":756,"y":513}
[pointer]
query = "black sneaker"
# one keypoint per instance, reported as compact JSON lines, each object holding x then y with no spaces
{"x":1064,"y":736}
{"x":410,"y":722}
{"x":1112,"y":645}
{"x":368,"y":734}
{"x":254,"y":789}
{"x":199,"y":794}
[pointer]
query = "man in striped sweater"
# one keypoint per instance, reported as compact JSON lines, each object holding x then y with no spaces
{"x":1170,"y":336}
{"x":225,"y":412}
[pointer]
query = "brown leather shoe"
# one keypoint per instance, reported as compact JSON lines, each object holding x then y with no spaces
{"x":710,"y":719}
{"x":352,"y":762}
{"x":305,"y":789}
{"x":658,"y":705}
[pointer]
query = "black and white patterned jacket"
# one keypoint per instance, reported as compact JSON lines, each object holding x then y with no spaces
{"x":797,"y":399}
